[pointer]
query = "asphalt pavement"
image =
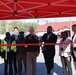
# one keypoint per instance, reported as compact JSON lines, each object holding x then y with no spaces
{"x":41,"y":68}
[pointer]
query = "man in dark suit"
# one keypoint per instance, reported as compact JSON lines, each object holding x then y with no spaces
{"x":49,"y":50}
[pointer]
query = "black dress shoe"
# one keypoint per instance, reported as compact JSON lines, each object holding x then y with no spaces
{"x":10,"y":74}
{"x":5,"y":73}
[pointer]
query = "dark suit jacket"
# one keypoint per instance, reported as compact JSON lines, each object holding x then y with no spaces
{"x":21,"y":49}
{"x":52,"y":39}
{"x":13,"y":37}
{"x":32,"y":40}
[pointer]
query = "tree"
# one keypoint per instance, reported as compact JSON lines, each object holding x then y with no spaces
{"x":5,"y":26}
{"x":2,"y":27}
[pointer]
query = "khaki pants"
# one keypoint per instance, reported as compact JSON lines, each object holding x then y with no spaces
{"x":31,"y":62}
{"x":20,"y":58}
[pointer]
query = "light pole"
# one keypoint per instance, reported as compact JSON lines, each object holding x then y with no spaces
{"x":70,"y":27}
{"x":7,"y":27}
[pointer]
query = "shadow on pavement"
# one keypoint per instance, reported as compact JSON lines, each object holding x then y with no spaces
{"x":57,"y":69}
{"x":2,"y":69}
{"x":41,"y":69}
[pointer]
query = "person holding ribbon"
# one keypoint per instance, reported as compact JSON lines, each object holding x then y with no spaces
{"x":32,"y":52}
{"x":49,"y":50}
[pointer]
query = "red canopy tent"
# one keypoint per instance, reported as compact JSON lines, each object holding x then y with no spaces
{"x":28,"y":9}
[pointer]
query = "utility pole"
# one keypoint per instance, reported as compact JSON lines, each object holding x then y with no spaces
{"x":70,"y":27}
{"x":37,"y":21}
{"x":7,"y":27}
{"x":46,"y":21}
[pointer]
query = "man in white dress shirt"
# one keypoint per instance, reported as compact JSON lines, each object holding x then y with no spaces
{"x":74,"y":44}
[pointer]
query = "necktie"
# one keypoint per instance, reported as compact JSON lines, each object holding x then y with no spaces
{"x":72,"y":37}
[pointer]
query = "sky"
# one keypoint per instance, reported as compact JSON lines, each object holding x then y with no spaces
{"x":42,"y":21}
